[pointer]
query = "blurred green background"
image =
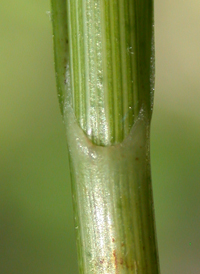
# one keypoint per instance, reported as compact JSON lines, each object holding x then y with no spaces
{"x":36,"y":223}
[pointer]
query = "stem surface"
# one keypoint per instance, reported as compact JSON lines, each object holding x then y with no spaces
{"x":104,"y":59}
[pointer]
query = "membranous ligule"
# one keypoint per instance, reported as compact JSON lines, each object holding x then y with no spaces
{"x":113,"y":200}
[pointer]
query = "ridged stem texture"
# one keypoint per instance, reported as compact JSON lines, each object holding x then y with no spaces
{"x":104,"y":59}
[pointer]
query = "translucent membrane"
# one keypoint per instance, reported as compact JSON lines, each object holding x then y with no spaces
{"x":113,"y":201}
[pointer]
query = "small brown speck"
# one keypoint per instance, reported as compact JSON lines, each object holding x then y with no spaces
{"x":114,"y":254}
{"x":113,"y":240}
{"x":137,"y":159}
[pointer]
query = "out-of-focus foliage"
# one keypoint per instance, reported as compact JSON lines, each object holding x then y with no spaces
{"x":36,"y":223}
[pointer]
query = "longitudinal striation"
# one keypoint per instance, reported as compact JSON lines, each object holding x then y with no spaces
{"x":107,"y":78}
{"x":107,"y":112}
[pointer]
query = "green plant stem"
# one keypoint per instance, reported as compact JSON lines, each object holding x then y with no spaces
{"x":105,"y":81}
